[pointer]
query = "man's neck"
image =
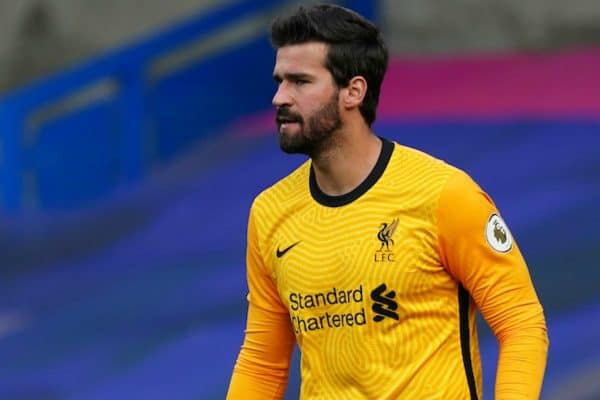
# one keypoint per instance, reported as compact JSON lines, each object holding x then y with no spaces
{"x":347,"y":162}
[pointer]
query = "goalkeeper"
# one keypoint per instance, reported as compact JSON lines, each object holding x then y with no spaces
{"x":373,"y":256}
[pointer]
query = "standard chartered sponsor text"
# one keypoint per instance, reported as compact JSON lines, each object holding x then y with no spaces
{"x":309,"y":321}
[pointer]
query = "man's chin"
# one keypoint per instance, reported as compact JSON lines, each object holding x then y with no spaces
{"x":291,"y":148}
{"x":291,"y":145}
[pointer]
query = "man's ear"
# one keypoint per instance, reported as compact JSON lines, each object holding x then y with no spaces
{"x":354,"y":93}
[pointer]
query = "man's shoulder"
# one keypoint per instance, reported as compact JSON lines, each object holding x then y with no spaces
{"x":422,"y":170}
{"x":290,"y":186}
{"x":423,"y":175}
{"x":415,"y":161}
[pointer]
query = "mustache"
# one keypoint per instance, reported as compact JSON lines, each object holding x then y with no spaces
{"x":284,"y":114}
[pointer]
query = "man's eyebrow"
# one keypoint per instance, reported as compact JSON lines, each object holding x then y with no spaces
{"x":292,"y":76}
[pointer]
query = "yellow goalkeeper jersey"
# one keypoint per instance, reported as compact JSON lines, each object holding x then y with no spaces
{"x":379,"y":288}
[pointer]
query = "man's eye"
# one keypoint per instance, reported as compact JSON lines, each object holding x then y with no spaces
{"x":300,"y":81}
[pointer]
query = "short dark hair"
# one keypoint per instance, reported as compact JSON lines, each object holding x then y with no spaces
{"x":355,"y":46}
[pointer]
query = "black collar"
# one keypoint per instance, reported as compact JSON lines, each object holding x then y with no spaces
{"x":387,"y":149}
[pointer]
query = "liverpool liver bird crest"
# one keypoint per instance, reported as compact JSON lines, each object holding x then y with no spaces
{"x":386,"y":231}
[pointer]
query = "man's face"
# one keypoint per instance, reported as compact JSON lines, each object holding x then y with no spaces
{"x":306,"y":99}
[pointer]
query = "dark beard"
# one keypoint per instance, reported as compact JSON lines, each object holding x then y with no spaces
{"x":318,"y":133}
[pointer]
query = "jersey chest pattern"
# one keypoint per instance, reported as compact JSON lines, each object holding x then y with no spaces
{"x":368,"y":298}
{"x":347,"y":270}
{"x":365,"y":291}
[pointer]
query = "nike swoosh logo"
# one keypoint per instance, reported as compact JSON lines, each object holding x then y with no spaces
{"x":280,"y":253}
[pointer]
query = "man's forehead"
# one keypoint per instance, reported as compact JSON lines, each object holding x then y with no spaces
{"x":312,"y":47}
{"x":310,"y":51}
{"x":308,"y":55}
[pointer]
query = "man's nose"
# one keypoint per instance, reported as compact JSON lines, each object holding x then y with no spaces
{"x":281,"y":97}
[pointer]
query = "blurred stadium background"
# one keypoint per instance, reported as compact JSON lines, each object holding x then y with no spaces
{"x":134,"y":137}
